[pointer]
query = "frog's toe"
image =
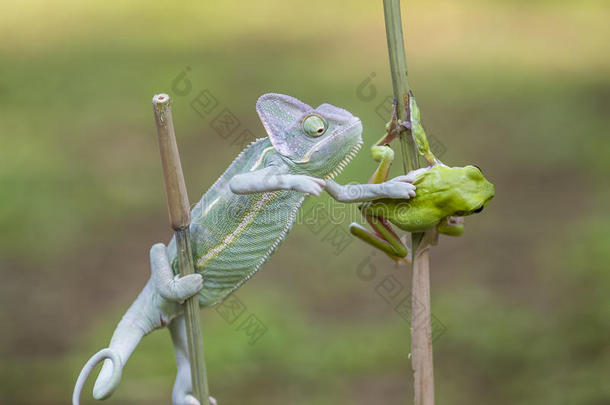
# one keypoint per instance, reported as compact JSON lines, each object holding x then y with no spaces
{"x":402,"y":261}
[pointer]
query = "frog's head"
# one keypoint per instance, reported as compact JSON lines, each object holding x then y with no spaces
{"x":319,"y":142}
{"x":456,"y":191}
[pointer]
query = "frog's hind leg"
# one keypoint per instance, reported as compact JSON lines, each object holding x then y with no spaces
{"x":383,"y":238}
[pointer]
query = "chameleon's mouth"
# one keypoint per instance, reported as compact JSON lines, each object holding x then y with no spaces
{"x":348,"y":157}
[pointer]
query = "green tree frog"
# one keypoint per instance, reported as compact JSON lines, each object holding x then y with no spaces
{"x":443,"y":194}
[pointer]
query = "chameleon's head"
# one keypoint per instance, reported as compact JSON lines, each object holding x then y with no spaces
{"x":457,"y":191}
{"x":319,"y":141}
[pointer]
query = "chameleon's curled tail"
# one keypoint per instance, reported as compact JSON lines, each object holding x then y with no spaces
{"x":128,"y":333}
{"x":117,"y":371}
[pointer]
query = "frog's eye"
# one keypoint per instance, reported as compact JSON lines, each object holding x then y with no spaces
{"x":314,"y":125}
{"x":474,"y":172}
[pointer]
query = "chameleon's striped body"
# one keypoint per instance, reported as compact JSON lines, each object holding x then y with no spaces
{"x":233,"y":235}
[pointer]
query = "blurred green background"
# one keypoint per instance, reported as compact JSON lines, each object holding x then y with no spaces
{"x":520,"y":88}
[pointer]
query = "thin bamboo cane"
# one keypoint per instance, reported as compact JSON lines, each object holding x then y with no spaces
{"x":180,"y":219}
{"x":421,"y":329}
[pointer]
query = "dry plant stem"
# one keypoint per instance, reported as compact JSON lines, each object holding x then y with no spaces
{"x":179,"y":216}
{"x":421,"y":335}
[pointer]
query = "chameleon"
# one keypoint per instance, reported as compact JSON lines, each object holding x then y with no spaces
{"x":238,"y":223}
{"x":444,"y":194}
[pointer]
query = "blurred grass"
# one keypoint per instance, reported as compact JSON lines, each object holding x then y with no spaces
{"x":520,"y":88}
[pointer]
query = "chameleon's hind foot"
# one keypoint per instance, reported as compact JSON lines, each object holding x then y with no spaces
{"x":185,"y":286}
{"x":183,"y":386}
{"x":191,"y":400}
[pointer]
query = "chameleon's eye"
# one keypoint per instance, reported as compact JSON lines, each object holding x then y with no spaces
{"x":314,"y":125}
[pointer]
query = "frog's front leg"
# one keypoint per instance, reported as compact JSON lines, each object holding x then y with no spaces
{"x":382,"y":152}
{"x":385,"y":156}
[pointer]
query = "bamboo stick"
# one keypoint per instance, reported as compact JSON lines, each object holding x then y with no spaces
{"x":421,"y":328}
{"x":180,"y":218}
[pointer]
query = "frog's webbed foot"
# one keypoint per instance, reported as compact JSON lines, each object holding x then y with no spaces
{"x":452,"y":226}
{"x":170,"y":287}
